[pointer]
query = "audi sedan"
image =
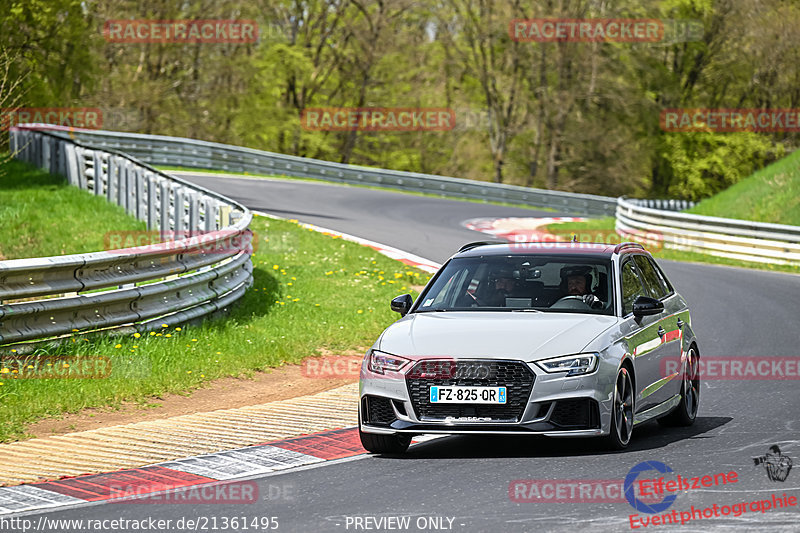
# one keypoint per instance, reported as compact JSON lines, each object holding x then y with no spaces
{"x":555,"y":339}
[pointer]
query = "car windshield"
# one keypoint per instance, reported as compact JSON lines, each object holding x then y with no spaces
{"x":553,"y":283}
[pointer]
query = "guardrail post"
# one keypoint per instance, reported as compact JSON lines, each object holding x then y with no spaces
{"x":113,"y":179}
{"x":99,"y":188}
{"x":164,"y":224}
{"x":209,"y":212}
{"x":179,"y":224}
{"x":122,"y":191}
{"x":224,"y":216}
{"x":194,"y":212}
{"x":72,"y":165}
{"x":152,"y":201}
{"x":80,"y":164}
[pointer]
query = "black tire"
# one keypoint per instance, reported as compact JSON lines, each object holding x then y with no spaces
{"x":394,"y":444}
{"x":685,"y":412}
{"x":622,"y":411}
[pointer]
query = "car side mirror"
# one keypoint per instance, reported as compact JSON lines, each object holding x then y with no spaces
{"x":402,"y":304}
{"x":645,"y":305}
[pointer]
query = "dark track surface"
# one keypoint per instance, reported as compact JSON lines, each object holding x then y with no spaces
{"x":734,"y":312}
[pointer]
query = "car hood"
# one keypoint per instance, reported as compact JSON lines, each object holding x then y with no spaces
{"x":495,"y":335}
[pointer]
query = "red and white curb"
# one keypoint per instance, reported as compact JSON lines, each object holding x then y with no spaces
{"x":516,"y":229}
{"x":389,"y":251}
{"x":181,"y":475}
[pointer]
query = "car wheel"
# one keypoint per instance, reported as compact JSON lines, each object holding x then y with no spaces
{"x":622,"y":411}
{"x":686,"y":411}
{"x":384,"y":443}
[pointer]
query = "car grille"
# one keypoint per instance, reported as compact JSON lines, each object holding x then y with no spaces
{"x":377,"y":411}
{"x":577,"y":413}
{"x":514,"y":375}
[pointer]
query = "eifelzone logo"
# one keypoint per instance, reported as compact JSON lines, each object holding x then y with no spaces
{"x":777,"y":464}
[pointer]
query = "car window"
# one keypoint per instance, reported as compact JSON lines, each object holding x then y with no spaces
{"x":631,"y":287}
{"x":655,"y":286}
{"x":548,"y":283}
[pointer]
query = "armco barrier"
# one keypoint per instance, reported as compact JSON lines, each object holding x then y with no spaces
{"x":143,"y":286}
{"x":725,"y":237}
{"x":189,"y":153}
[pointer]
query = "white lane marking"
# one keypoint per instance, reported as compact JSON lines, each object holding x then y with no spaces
{"x":225,"y":466}
{"x":25,"y":497}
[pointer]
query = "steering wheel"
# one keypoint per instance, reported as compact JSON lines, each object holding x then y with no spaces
{"x":578,"y":301}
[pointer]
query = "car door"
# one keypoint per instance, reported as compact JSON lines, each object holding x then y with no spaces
{"x":668,"y":330}
{"x":644,"y":341}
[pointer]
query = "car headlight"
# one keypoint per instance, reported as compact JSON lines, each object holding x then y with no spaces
{"x":573,"y":365}
{"x":380,"y":362}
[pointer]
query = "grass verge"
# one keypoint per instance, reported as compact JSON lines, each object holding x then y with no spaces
{"x":605,"y":226}
{"x":42,"y":215}
{"x":310,"y":292}
{"x":771,"y":194}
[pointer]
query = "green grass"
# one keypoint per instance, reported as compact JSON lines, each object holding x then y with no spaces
{"x":311,"y":291}
{"x":771,"y":194}
{"x":373,"y":187}
{"x":602,"y":230}
{"x":42,"y":215}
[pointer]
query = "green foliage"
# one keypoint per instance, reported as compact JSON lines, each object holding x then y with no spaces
{"x":703,"y":163}
{"x":575,"y":116}
{"x":770,"y":195}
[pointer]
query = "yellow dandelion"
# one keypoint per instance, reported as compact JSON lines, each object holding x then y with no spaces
{"x":137,"y":335}
{"x":168,"y":335}
{"x":152,"y":333}
{"x":194,"y":340}
{"x":177,"y":329}
{"x":188,"y":371}
{"x":275,"y":267}
{"x":289,"y":284}
{"x":65,"y":365}
{"x":4,"y":371}
{"x":360,"y":311}
{"x":135,"y":345}
{"x":29,"y":366}
{"x":164,"y":325}
{"x":14,"y":351}
{"x":118,"y":346}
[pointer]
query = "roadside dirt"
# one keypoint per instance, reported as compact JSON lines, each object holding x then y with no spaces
{"x":290,"y":381}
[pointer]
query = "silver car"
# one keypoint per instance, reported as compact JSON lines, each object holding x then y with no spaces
{"x":555,"y":339}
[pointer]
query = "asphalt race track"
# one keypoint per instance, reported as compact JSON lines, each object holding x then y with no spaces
{"x":462,"y":483}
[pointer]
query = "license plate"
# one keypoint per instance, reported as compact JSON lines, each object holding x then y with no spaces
{"x":461,"y":394}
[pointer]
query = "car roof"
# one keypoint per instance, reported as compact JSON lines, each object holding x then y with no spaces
{"x":483,"y":248}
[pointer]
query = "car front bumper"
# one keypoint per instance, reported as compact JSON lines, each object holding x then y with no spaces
{"x":553,"y":406}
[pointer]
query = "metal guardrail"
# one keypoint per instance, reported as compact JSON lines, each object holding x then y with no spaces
{"x":202,"y":270}
{"x":189,"y":153}
{"x":725,"y":237}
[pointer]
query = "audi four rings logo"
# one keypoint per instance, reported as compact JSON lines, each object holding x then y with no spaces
{"x":451,"y":370}
{"x":472,"y":372}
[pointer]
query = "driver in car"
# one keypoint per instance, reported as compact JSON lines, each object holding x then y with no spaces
{"x":501,"y":285}
{"x":578,"y":281}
